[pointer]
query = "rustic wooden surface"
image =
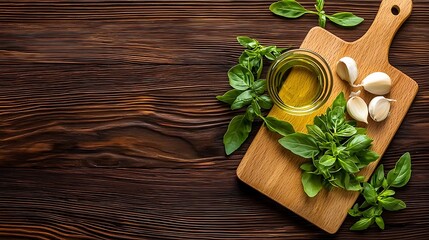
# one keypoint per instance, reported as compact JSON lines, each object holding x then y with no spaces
{"x":109,"y":127}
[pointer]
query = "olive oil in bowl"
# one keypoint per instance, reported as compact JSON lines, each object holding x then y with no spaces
{"x":299,"y":81}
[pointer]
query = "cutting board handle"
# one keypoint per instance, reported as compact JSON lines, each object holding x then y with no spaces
{"x":390,"y":16}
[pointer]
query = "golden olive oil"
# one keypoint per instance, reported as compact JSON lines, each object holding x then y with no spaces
{"x":299,"y":81}
{"x":300,"y":88}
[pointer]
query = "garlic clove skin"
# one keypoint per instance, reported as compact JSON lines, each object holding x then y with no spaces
{"x":378,"y":83}
{"x":347,"y":70}
{"x":357,"y":109}
{"x":354,"y":94}
{"x":379,"y":108}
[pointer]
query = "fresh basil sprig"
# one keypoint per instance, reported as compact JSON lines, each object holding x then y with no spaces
{"x":338,"y":150}
{"x":292,"y":9}
{"x":250,"y":91}
{"x":379,"y":196}
{"x":252,"y":56}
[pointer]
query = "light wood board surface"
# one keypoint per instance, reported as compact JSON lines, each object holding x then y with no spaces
{"x":274,"y":171}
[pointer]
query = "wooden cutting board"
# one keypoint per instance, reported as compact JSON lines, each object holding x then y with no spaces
{"x":274,"y":171}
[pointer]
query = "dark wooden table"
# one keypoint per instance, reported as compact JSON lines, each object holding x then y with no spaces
{"x":109,"y":126}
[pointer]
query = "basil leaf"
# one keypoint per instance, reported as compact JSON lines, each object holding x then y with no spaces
{"x":358,"y":143}
{"x":360,"y":130}
{"x":269,"y":52}
{"x":316,"y":132}
{"x":327,"y":160}
{"x":369,"y":193}
{"x":256,"y":108}
{"x":362,"y":224}
{"x":265,"y":102}
{"x":400,"y":175}
{"x":252,"y":61}
{"x":240,"y":77}
{"x":354,"y":185}
{"x":345,"y":19}
{"x":352,"y":158}
{"x":346,"y":131}
{"x":311,"y":183}
{"x":334,"y":149}
{"x":288,"y":9}
{"x":387,"y":193}
{"x":392,"y":204}
{"x":348,"y":165}
{"x":321,"y":122}
{"x":354,"y":212}
{"x":247,"y":42}
{"x":339,"y":179}
{"x":346,"y":180}
{"x":350,"y":183}
{"x":378,"y":177}
{"x":257,"y":66}
{"x":329,"y":137}
{"x":378,"y":210}
{"x":365,"y":204}
{"x":373,"y":212}
{"x":259,"y":86}
{"x":354,"y":124}
{"x":238,"y":131}
{"x":340,"y":101}
{"x":281,"y":127}
{"x":300,"y":144}
{"x":280,"y":50}
{"x":266,"y":50}
{"x":319,"y":5}
{"x":274,"y":53}
{"x":270,"y":56}
{"x":244,"y":99}
{"x":360,"y":178}
{"x":230,"y":96}
{"x":370,"y":212}
{"x":337,"y":117}
{"x":324,"y":170}
{"x":380,"y":222}
{"x":384,"y":185}
{"x":250,"y":113}
{"x":308,"y":167}
{"x":246,"y":58}
{"x":366,"y":157}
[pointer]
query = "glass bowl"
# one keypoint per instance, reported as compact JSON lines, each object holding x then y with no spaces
{"x":299,"y":81}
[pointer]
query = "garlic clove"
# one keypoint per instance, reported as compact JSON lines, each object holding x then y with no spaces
{"x":347,"y":70}
{"x":357,"y":109}
{"x":354,"y":94}
{"x":379,"y":108}
{"x":377,"y":83}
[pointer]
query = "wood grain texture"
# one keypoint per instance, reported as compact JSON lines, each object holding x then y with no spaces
{"x":275,"y":172}
{"x":90,"y":203}
{"x":109,"y":128}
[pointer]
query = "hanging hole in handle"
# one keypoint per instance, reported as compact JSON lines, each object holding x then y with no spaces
{"x":395,"y":10}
